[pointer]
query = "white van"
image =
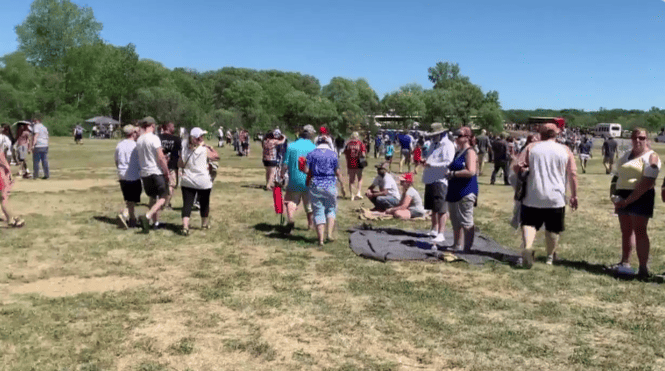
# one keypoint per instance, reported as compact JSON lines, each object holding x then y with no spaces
{"x":604,"y":130}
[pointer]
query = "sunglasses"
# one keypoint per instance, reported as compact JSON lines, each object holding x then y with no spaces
{"x":640,"y":138}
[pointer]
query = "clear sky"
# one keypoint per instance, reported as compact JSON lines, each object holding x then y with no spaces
{"x":582,"y":54}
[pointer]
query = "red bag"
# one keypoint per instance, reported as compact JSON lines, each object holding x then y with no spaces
{"x":278,"y":200}
{"x":302,"y":162}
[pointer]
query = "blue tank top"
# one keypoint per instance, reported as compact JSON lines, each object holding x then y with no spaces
{"x":460,"y":187}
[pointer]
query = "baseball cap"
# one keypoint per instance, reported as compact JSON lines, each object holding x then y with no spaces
{"x":323,"y":130}
{"x":383,"y":165}
{"x":197,"y":133}
{"x":308,"y":129}
{"x":277,"y":132}
{"x":408,"y":177}
{"x":128,"y":129}
{"x":147,"y":121}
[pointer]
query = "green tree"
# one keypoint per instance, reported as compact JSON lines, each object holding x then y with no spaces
{"x":54,"y":27}
{"x":407,"y":102}
{"x":443,"y":74}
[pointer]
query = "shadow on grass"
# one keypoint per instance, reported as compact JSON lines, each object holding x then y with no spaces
{"x":277,"y":232}
{"x":175,"y":228}
{"x":603,"y":270}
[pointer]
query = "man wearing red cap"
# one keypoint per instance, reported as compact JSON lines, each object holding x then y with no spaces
{"x":551,"y":167}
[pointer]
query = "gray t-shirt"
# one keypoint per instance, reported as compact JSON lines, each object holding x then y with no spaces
{"x":416,"y":200}
{"x":42,"y":135}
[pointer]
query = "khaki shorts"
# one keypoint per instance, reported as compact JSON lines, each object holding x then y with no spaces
{"x":173,"y":180}
{"x":461,"y":212}
{"x":295,"y":197}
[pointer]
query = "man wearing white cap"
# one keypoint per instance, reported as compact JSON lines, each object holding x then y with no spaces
{"x":127,"y":163}
{"x":435,"y":177}
{"x":153,"y":166}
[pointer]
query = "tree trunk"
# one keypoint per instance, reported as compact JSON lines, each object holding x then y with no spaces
{"x":120,"y":112}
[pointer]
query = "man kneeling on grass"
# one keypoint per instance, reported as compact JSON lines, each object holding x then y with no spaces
{"x":387,"y":195}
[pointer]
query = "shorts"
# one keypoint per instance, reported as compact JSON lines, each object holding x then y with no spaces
{"x":608,"y":159}
{"x":388,"y":158}
{"x":406,"y":153}
{"x":295,"y":197}
{"x":642,"y":207}
{"x":552,"y":218}
{"x":416,"y":213}
{"x":131,"y":190}
{"x":155,"y":186}
{"x":435,"y":197}
{"x":22,"y":152}
{"x":78,"y":136}
{"x":324,"y":203}
{"x":245,"y":145}
{"x":584,"y":156}
{"x":270,"y":163}
{"x":461,"y":212}
{"x":173,"y":180}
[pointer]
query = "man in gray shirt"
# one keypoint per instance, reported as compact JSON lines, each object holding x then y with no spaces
{"x":436,"y":182}
{"x":39,"y":146}
{"x":609,"y":153}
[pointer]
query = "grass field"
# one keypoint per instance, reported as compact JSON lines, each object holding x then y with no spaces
{"x":77,"y":293}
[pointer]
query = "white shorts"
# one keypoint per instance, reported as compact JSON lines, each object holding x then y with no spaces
{"x":584,"y":156}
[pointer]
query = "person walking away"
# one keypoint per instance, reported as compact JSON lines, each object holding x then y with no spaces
{"x":377,"y":145}
{"x":500,"y":151}
{"x":463,"y":189}
{"x":406,"y":144}
{"x":322,"y":167}
{"x":78,"y":134}
{"x":270,"y":162}
{"x":337,"y":145}
{"x":196,"y":181}
{"x":390,"y":150}
{"x":383,"y":192}
{"x":634,"y":179}
{"x":550,"y":166}
{"x":153,"y":170}
{"x":6,"y":182}
{"x":220,"y":137}
{"x":22,"y":145}
{"x":236,"y":142}
{"x":172,"y":146}
{"x":435,"y":177}
{"x":296,"y":190}
{"x":355,"y":150}
{"x":609,"y":151}
{"x":39,"y":147}
{"x":411,"y":204}
{"x":483,"y":148}
{"x":418,"y":155}
{"x":244,"y":142}
{"x":584,"y":153}
{"x":129,"y":175}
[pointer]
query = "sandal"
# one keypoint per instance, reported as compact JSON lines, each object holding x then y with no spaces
{"x":17,"y":223}
{"x":207,"y":226}
{"x":184,"y":232}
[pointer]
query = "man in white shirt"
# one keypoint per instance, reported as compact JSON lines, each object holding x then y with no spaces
{"x":435,"y":177}
{"x":127,"y":163}
{"x":153,"y":165}
{"x":39,"y":147}
{"x":220,"y":137}
{"x":384,"y":192}
{"x":549,"y":165}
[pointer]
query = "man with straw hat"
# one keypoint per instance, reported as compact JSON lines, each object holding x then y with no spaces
{"x":435,"y":177}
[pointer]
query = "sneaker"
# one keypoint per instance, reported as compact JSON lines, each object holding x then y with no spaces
{"x":196,"y":206}
{"x":528,"y":256}
{"x":156,"y":225}
{"x":206,"y":226}
{"x":353,"y":198}
{"x":433,"y":233}
{"x":643,"y":273}
{"x":17,"y":222}
{"x":145,"y":224}
{"x":184,"y":232}
{"x":122,"y":222}
{"x":358,"y":196}
{"x":439,"y":238}
{"x":550,"y":259}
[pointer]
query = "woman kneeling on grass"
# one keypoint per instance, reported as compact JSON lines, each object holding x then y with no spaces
{"x":633,"y":195}
{"x":463,"y":188}
{"x":5,"y":188}
{"x":322,"y":169}
{"x":411,"y":205}
{"x":196,"y":182}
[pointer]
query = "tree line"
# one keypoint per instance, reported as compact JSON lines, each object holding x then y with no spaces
{"x":64,"y":70}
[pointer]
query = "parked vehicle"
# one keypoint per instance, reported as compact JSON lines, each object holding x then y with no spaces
{"x":605,"y":129}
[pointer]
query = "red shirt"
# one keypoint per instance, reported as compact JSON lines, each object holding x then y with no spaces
{"x":354,"y":150}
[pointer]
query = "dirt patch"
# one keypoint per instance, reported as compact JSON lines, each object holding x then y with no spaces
{"x":55,"y":185}
{"x":67,"y":286}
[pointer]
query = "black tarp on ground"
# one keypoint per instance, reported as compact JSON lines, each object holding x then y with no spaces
{"x":397,"y":244}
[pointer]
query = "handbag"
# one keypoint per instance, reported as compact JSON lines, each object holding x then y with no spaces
{"x":362,"y":163}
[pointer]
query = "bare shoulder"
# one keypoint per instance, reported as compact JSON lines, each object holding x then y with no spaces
{"x":654,"y":159}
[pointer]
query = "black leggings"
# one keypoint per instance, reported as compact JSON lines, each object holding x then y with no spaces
{"x":188,"y":197}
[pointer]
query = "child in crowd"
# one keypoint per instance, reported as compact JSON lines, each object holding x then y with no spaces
{"x":418,"y":155}
{"x":390,"y":149}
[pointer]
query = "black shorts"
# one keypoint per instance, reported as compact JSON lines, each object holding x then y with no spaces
{"x":388,"y":158}
{"x":435,"y":197}
{"x":552,"y":218}
{"x":131,"y":190}
{"x":245,"y":145}
{"x":155,"y":186}
{"x":78,"y":136}
{"x":270,"y":163}
{"x":642,"y":207}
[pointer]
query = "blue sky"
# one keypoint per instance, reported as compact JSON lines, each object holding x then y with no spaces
{"x":581,"y":54}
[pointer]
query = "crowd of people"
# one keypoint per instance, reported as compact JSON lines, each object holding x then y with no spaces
{"x":541,"y":166}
